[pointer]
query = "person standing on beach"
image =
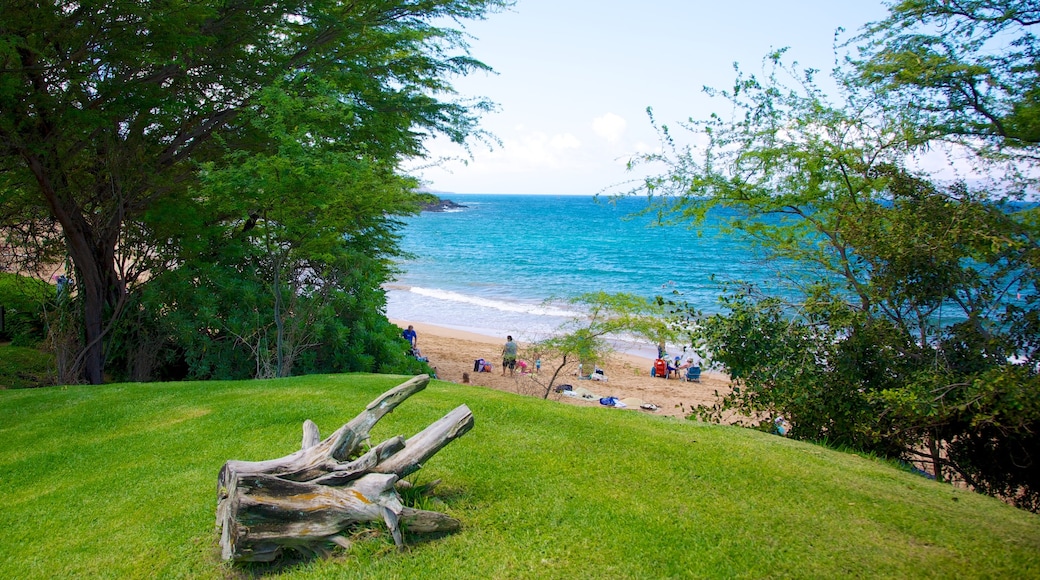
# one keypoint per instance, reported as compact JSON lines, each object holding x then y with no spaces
{"x":410,"y":335}
{"x":508,"y":356}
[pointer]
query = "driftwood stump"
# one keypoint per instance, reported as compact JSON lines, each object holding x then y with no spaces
{"x":304,"y":501}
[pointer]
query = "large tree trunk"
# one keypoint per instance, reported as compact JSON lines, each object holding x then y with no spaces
{"x":91,"y":293}
{"x":92,"y":250}
{"x":101,"y":290}
{"x":306,"y":500}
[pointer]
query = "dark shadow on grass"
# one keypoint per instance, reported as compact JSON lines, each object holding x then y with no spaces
{"x":283,"y":564}
{"x":360,"y":536}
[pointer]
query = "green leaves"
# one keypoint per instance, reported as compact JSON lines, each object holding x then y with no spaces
{"x":969,"y":67}
{"x":145,"y":136}
{"x":910,"y":315}
{"x":584,"y":340}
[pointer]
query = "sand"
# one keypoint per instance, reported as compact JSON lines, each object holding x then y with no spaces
{"x":452,"y":353}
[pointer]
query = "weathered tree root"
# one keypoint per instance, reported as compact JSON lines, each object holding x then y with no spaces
{"x":304,"y":501}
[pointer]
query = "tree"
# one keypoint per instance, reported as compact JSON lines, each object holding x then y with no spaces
{"x":109,"y":107}
{"x":282,"y":236}
{"x":584,"y":340}
{"x":906,"y":326}
{"x":968,"y":67}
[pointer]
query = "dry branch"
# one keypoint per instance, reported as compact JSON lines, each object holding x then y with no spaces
{"x":306,"y":500}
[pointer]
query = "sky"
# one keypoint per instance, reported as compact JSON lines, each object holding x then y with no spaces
{"x":574,"y":79}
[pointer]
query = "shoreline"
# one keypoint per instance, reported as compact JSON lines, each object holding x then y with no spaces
{"x":452,"y":352}
{"x":448,"y":311}
{"x":456,"y":334}
{"x":472,"y":336}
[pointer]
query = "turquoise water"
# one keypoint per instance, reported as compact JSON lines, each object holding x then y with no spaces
{"x":489,"y":268}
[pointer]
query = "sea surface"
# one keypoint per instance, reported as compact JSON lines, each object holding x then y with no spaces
{"x":506,"y":264}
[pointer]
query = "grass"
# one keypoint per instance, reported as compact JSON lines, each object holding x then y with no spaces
{"x":117,"y":481}
{"x":23,"y":367}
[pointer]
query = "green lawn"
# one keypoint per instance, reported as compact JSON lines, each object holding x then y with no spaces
{"x":118,"y":481}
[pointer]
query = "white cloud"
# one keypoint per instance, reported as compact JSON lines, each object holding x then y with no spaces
{"x":559,"y":161}
{"x":610,"y":126}
{"x":526,"y":151}
{"x":565,"y":141}
{"x":521,"y":152}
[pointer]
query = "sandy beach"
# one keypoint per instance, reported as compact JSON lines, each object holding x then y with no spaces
{"x":452,"y":353}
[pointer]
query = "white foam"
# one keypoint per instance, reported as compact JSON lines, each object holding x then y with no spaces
{"x":497,"y":318}
{"x":501,"y":305}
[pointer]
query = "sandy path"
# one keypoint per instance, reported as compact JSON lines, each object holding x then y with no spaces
{"x":452,"y":353}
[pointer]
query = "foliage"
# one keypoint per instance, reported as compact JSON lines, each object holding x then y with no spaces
{"x":583,"y":341}
{"x":23,"y":367}
{"x":543,"y":490}
{"x":912,"y":330}
{"x":110,"y":109}
{"x":24,"y":300}
{"x":283,"y":254}
{"x":969,"y":66}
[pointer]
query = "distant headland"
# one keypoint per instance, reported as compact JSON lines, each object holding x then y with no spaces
{"x":437,"y":204}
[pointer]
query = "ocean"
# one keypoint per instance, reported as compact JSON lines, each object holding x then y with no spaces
{"x":492,"y":267}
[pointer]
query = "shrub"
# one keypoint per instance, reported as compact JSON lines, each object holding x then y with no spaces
{"x":23,"y":300}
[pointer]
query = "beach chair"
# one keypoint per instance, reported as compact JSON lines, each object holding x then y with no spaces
{"x":693,"y":374}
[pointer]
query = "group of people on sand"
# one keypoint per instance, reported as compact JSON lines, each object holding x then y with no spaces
{"x":511,"y":362}
{"x":509,"y":351}
{"x":666,"y":367}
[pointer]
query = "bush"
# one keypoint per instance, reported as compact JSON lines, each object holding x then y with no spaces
{"x":22,"y":367}
{"x":23,"y":300}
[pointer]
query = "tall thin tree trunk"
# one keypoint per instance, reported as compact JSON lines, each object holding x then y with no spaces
{"x":933,"y":449}
{"x":552,"y":381}
{"x":279,"y":324}
{"x":276,"y":287}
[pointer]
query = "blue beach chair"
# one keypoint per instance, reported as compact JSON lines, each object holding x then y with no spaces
{"x":693,"y":374}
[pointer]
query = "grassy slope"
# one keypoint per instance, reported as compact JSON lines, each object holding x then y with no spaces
{"x":118,"y":481}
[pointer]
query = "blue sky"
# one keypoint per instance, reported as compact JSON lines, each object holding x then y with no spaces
{"x":575,"y":78}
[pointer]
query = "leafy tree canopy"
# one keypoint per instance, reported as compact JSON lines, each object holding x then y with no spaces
{"x":110,"y":108}
{"x":913,"y":327}
{"x":968,"y":66}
